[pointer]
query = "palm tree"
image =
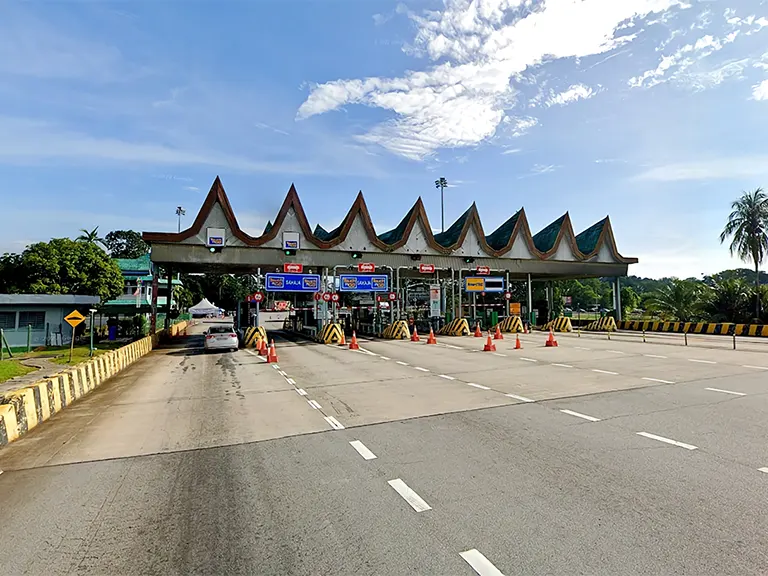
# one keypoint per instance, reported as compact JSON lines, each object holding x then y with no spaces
{"x":679,"y":300}
{"x":728,"y":301}
{"x":747,"y":227}
{"x":90,"y":236}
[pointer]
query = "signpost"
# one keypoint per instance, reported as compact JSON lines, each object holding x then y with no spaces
{"x":366,"y":268}
{"x":74,"y":318}
{"x":293,"y":268}
{"x":427,"y":268}
{"x":484,"y":284}
{"x":357,"y":283}
{"x":292,"y":282}
{"x":483,"y":270}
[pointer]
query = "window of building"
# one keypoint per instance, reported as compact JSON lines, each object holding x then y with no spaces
{"x":7,"y":320}
{"x":35,"y":319}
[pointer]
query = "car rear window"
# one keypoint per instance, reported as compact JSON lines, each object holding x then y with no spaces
{"x":221,"y":329}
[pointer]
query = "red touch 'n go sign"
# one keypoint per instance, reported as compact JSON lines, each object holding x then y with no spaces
{"x":292,"y":268}
{"x":366,"y":267}
{"x":258,"y":297}
{"x":483,"y":270}
{"x":427,"y":268}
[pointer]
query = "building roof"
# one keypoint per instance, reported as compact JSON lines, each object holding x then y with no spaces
{"x":47,"y":300}
{"x":141,"y":264}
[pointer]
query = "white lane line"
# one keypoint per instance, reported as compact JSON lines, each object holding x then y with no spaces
{"x":416,"y":502}
{"x":658,"y":380}
{"x":725,"y":391}
{"x":420,"y":368}
{"x":402,"y":363}
{"x":499,"y":354}
{"x":452,"y":346}
{"x":580,"y":415}
{"x":301,"y":391}
{"x":528,"y":359}
{"x":581,"y":348}
{"x":615,"y":351}
{"x":282,"y":373}
{"x":521,"y":398}
{"x":291,"y":381}
{"x":446,"y":377}
{"x":759,"y":470}
{"x":701,"y":361}
{"x":362,"y":450}
{"x":335,"y":424}
{"x":755,"y":367}
{"x":478,"y":386}
{"x":480,"y":563}
{"x":384,"y":357}
{"x":667,"y":440}
{"x":654,"y":356}
{"x":563,"y":365}
{"x":255,"y":355}
{"x":363,"y":350}
{"x":314,"y":404}
{"x":275,"y":366}
{"x":605,"y":372}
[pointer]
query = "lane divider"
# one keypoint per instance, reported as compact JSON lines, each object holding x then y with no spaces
{"x":480,"y":563}
{"x":667,"y":440}
{"x":580,"y":415}
{"x":660,"y":381}
{"x":362,"y":450}
{"x":414,"y":500}
{"x":725,"y":391}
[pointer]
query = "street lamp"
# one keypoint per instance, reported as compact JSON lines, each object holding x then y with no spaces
{"x":442,"y":183}
{"x":180,"y":212}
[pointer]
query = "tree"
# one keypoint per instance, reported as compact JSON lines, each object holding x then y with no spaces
{"x":10,"y":273}
{"x":90,"y":237}
{"x":728,"y":301}
{"x":747,"y":227}
{"x":629,"y":300}
{"x":125,"y":244}
{"x":680,"y":300}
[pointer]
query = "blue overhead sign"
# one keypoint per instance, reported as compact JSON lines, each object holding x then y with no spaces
{"x":363,"y":283}
{"x":293,"y":283}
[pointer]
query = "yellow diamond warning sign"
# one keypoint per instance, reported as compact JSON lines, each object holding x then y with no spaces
{"x":74,"y":318}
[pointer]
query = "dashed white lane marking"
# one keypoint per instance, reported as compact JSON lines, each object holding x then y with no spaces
{"x":362,"y":450}
{"x":364,"y":351}
{"x":563,"y":365}
{"x":725,"y":391}
{"x":528,"y":359}
{"x":478,"y":386}
{"x":615,"y":351}
{"x":605,"y":372}
{"x":416,"y":501}
{"x":314,"y":404}
{"x":291,"y":381}
{"x":282,"y":373}
{"x":275,"y":366}
{"x":521,"y":398}
{"x":301,"y":391}
{"x":654,"y":356}
{"x":384,"y":357}
{"x":402,"y":363}
{"x":499,"y":354}
{"x":420,"y":368}
{"x":581,"y":348}
{"x":335,"y":424}
{"x":667,"y":440}
{"x":701,"y":361}
{"x":755,"y":367}
{"x":480,"y":563}
{"x":580,"y":415}
{"x":658,"y":380}
{"x":446,"y":377}
{"x":765,"y":470}
{"x":452,"y":346}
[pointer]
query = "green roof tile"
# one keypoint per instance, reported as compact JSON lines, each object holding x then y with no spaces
{"x":587,"y":240}
{"x":268,"y":227}
{"x":141,"y":264}
{"x":451,"y":236}
{"x":396,"y":234}
{"x":499,"y":238}
{"x":545,"y":239}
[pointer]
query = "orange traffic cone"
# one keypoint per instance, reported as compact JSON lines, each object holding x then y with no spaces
{"x":525,"y":329}
{"x":415,"y":335}
{"x":272,"y":355}
{"x":489,"y":345}
{"x":262,"y":345}
{"x":353,"y":345}
{"x":498,"y":335}
{"x":518,"y":346}
{"x":343,"y":339}
{"x":551,"y":340}
{"x":478,"y":333}
{"x":431,"y":339}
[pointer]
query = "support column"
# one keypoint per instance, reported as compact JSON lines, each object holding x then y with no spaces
{"x":459,"y":315}
{"x":530,"y":299}
{"x":453,"y":295}
{"x":168,"y":299}
{"x":153,"y":318}
{"x":618,"y":300}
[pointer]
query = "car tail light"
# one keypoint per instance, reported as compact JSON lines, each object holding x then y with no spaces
{"x":233,"y":335}
{"x":208,"y":336}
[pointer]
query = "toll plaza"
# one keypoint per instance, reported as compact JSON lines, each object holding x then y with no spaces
{"x":363,"y":280}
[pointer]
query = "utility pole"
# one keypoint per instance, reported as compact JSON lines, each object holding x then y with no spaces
{"x":180,"y":212}
{"x":442,"y":183}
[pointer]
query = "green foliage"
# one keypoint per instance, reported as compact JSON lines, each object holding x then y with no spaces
{"x":125,"y":244}
{"x":10,"y":273}
{"x":629,"y":300}
{"x":681,"y":300}
{"x":90,"y":236}
{"x":728,"y":301}
{"x":221,"y":289}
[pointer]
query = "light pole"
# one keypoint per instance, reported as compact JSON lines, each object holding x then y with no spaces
{"x":92,"y":312}
{"x":180,"y":212}
{"x":442,"y":183}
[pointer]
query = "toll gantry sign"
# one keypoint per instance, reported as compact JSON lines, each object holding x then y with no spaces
{"x":363,"y":283}
{"x":292,"y":282}
{"x":484,"y":284}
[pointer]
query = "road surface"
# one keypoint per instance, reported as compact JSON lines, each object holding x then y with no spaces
{"x":595,"y":457}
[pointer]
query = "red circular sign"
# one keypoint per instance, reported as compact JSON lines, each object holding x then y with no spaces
{"x":392,"y":296}
{"x":258,"y":297}
{"x":378,"y":298}
{"x":507,"y":295}
{"x":335,"y":297}
{"x":318,"y":295}
{"x":327,"y":297}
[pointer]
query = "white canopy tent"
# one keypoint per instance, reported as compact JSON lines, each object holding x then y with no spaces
{"x":204,"y":308}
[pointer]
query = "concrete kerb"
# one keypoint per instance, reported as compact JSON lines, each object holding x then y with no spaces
{"x":24,"y":408}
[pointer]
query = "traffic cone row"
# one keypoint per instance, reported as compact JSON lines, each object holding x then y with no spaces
{"x":415,"y":335}
{"x":353,"y":345}
{"x":498,"y":335}
{"x":431,"y":339}
{"x":262,"y":347}
{"x":478,"y":333}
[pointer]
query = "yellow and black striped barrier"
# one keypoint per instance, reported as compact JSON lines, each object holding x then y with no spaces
{"x":457,"y":327}
{"x":252,"y":336}
{"x":561,"y":324}
{"x":607,"y":324}
{"x":511,"y":324}
{"x":722,"y":328}
{"x":330,"y":334}
{"x":397,"y":331}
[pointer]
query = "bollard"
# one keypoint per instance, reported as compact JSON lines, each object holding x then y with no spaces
{"x":578,"y":332}
{"x":734,"y":340}
{"x":609,"y":334}
{"x":685,"y":334}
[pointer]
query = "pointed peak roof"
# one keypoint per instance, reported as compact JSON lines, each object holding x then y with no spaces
{"x":499,"y":238}
{"x":268,"y":227}
{"x":397,"y":233}
{"x":588,"y":241}
{"x":546,"y":239}
{"x":456,"y":230}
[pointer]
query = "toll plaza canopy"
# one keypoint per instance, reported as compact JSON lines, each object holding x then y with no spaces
{"x":215,"y":243}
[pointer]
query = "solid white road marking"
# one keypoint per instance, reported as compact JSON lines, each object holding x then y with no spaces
{"x":256,"y":355}
{"x":452,"y":346}
{"x":402,"y":363}
{"x":605,"y":372}
{"x":416,"y":502}
{"x":563,"y":365}
{"x":654,"y":356}
{"x":725,"y":391}
{"x":314,"y":404}
{"x":755,"y":367}
{"x":363,"y":350}
{"x":362,"y":450}
{"x":384,"y":357}
{"x":667,"y":440}
{"x":615,"y":351}
{"x":420,"y":368}
{"x":701,"y":361}
{"x":446,"y":377}
{"x":528,"y":359}
{"x":499,"y":354}
{"x":521,"y":398}
{"x":759,"y":470}
{"x":478,"y":386}
{"x":275,"y":366}
{"x":480,"y":563}
{"x":658,"y":380}
{"x":335,"y":424}
{"x":580,"y":415}
{"x":301,"y":391}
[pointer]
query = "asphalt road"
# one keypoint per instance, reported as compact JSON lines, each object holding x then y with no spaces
{"x":402,"y":458}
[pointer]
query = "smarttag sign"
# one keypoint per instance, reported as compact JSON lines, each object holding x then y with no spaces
{"x":367,"y":283}
{"x":293,"y":283}
{"x":484,"y":284}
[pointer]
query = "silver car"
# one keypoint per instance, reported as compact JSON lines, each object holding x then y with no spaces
{"x":221,"y":337}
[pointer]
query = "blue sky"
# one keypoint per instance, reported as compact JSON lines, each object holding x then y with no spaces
{"x":652,"y":111}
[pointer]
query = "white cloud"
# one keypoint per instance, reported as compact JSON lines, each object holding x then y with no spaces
{"x":760,"y":91}
{"x":192,"y":188}
{"x":710,"y":169}
{"x":509,"y":151}
{"x":483,"y":45}
{"x":517,"y":127}
{"x":574,"y":93}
